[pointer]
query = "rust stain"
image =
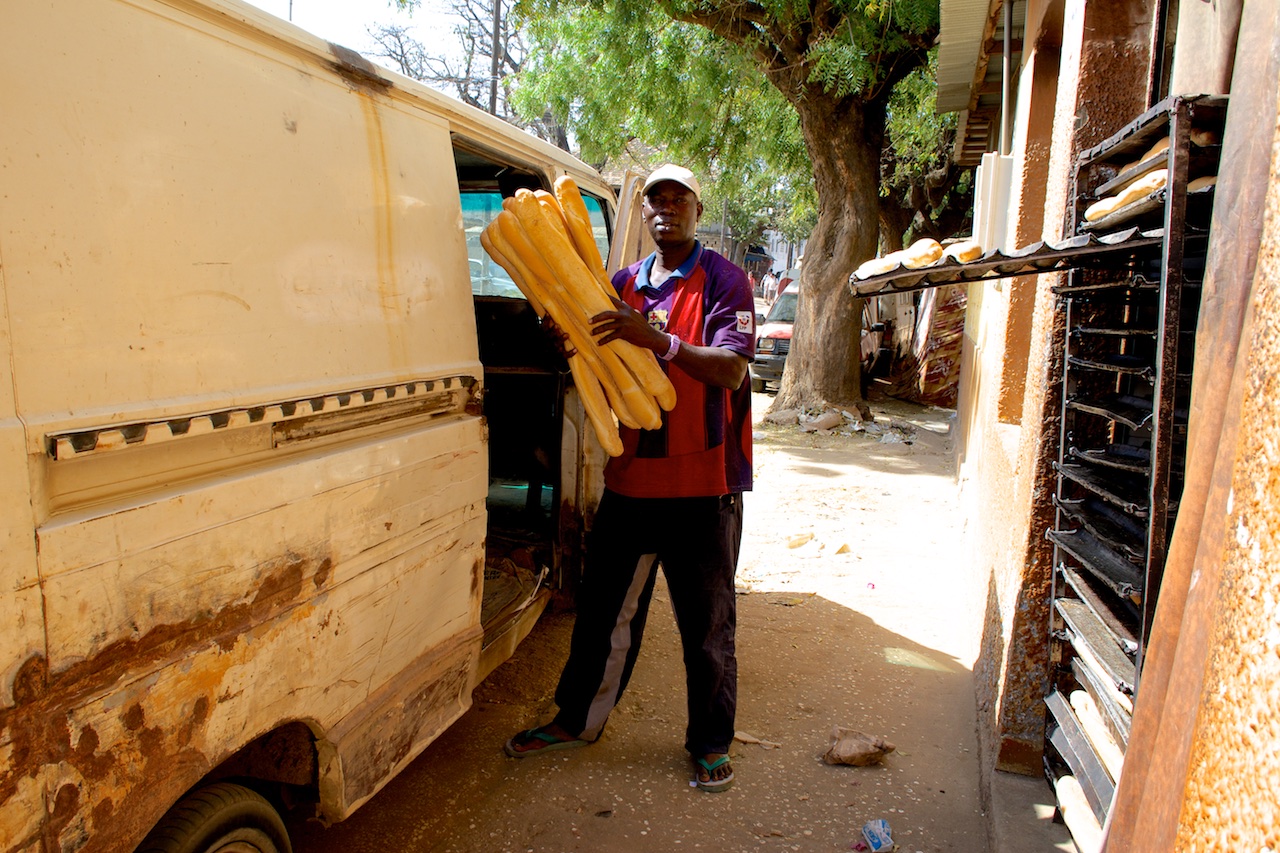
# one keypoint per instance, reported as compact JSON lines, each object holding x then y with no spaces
{"x":31,"y":681}
{"x":477,"y":577}
{"x":66,"y":805}
{"x":134,"y":718}
{"x":134,"y":779}
{"x":389,"y":296}
{"x":421,"y":715}
{"x":323,"y":572}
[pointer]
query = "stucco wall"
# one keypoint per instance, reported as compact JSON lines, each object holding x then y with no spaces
{"x":1007,"y":470}
{"x":1232,"y":799}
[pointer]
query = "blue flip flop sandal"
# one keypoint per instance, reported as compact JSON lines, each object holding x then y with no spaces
{"x":714,"y":786}
{"x":552,"y":743}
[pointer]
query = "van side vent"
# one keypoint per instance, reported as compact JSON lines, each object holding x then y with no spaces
{"x":80,"y":443}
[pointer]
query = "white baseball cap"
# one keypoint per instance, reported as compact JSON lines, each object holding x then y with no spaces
{"x":672,"y":172}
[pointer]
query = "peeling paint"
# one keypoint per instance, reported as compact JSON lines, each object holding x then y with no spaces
{"x":156,"y":759}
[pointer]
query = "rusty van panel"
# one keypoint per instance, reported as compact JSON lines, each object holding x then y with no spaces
{"x":241,"y":434}
{"x":239,"y":549}
{"x":178,"y":650}
{"x":111,"y":761}
{"x":21,"y":625}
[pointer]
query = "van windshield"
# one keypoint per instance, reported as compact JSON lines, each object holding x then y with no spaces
{"x":784,"y":309}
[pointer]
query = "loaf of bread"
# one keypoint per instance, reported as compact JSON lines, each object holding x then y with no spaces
{"x":1203,"y":137}
{"x":1102,"y":207}
{"x":919,"y":254}
{"x":922,"y":253}
{"x":1160,"y":147}
{"x":1199,"y":138}
{"x":1135,"y":191}
{"x":1202,"y":183}
{"x":964,"y":251}
{"x":879,"y":266}
{"x":1144,"y":186}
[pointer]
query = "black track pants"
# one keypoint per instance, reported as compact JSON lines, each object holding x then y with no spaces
{"x":696,"y":541}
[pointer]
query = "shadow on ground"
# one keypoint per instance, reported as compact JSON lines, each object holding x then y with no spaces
{"x":806,"y":665}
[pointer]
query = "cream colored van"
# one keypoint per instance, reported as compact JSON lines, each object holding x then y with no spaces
{"x":287,"y":465}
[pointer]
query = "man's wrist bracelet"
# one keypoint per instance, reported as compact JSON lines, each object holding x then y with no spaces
{"x":672,"y":349}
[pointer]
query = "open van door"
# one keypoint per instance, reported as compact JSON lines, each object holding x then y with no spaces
{"x":631,"y":241}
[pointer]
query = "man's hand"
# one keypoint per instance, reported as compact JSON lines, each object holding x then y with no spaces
{"x":715,"y":366}
{"x":559,"y":337}
{"x":625,"y":323}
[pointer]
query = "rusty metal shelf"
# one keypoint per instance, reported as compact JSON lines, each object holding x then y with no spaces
{"x":1121,"y":576}
{"x":1089,"y":634}
{"x":1124,"y":457}
{"x":1125,"y":492}
{"x":1130,"y":365}
{"x":1121,"y":286}
{"x":1133,"y":412}
{"x":1069,"y":739}
{"x":1137,"y":136}
{"x":1115,"y":623}
{"x":1113,"y":528}
{"x":1199,"y":206}
{"x":1115,"y":331}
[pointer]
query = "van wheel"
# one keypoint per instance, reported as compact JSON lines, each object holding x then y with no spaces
{"x":220,"y":818}
{"x":757,"y":385}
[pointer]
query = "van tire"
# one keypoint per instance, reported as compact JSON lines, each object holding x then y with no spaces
{"x":757,"y":385}
{"x":217,"y":818}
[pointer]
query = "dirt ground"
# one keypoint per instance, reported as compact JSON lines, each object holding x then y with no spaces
{"x":865,"y":625}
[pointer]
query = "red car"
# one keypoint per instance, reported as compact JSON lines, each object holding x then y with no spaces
{"x":773,"y":338}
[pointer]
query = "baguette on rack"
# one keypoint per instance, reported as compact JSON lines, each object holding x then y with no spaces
{"x":922,"y":253}
{"x":1136,"y":191}
{"x":964,"y":251}
{"x":879,"y":266}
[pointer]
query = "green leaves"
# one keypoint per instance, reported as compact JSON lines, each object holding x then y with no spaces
{"x":641,"y":74}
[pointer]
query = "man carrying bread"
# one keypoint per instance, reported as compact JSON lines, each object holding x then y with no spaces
{"x":674,"y":496}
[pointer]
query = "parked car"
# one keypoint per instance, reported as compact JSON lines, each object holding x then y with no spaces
{"x":773,"y":341}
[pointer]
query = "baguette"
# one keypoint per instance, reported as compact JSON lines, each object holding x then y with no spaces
{"x":1161,"y":146}
{"x":1202,"y":183}
{"x":596,"y":406}
{"x":1201,"y":138}
{"x":624,"y":395}
{"x":964,"y":251}
{"x":579,"y":222}
{"x":516,"y":272}
{"x":879,"y":266}
{"x":1135,"y":191}
{"x":922,"y":253}
{"x":584,"y":289}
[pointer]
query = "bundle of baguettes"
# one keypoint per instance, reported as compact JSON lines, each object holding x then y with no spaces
{"x":545,"y":244}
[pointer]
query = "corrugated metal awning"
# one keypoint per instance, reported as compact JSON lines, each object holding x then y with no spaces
{"x":1081,"y":250}
{"x":970,"y":70}
{"x":960,"y":39}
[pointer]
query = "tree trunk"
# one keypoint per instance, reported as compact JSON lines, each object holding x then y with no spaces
{"x":844,"y":138}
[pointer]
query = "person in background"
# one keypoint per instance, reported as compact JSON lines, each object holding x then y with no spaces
{"x":674,"y":497}
{"x":770,"y":286}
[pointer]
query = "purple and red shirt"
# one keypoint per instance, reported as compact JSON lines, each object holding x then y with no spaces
{"x":703,"y":447}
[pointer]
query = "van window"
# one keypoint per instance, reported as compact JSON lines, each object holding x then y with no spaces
{"x":487,"y":278}
{"x":599,"y":223}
